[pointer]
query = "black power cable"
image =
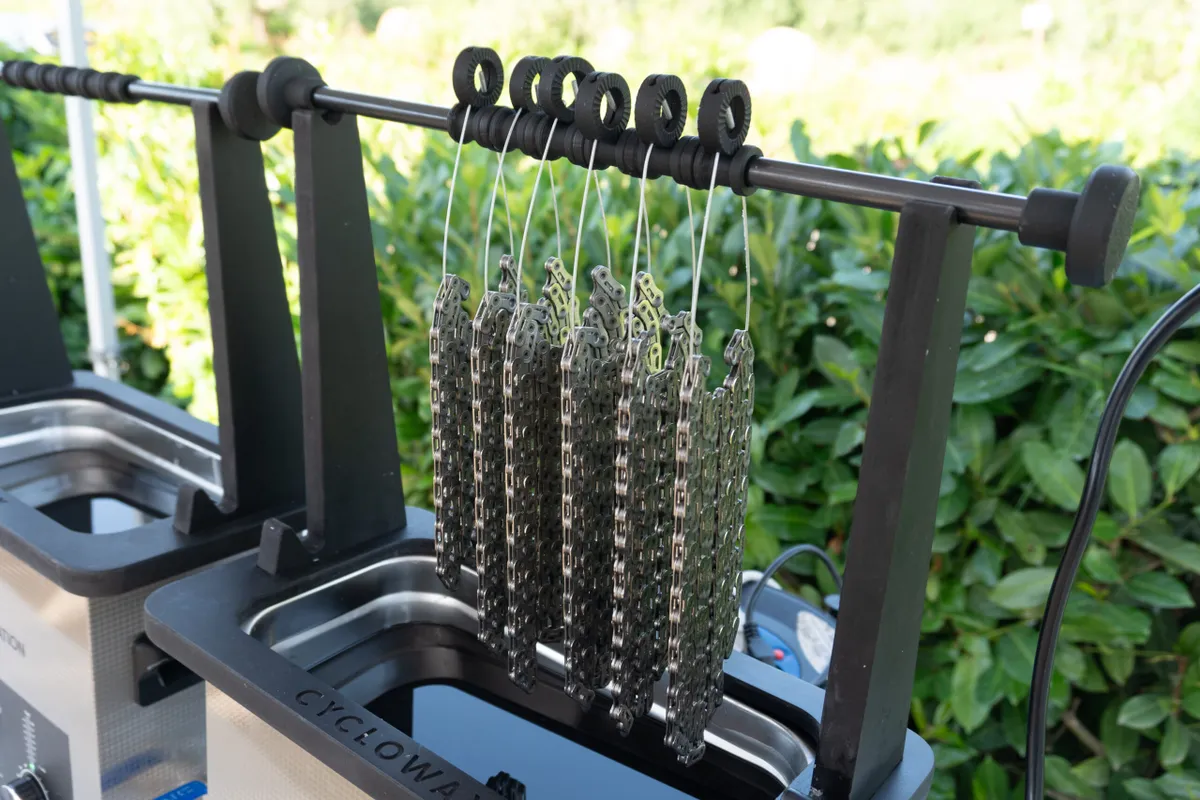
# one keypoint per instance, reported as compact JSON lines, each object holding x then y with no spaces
{"x":1064,"y":577}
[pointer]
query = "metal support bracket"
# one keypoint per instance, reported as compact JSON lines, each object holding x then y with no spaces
{"x":352,"y":463}
{"x":869,"y":693}
{"x":33,"y":356}
{"x":254,"y":348}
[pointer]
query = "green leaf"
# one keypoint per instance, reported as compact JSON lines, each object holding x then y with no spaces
{"x":1120,"y":744}
{"x":1176,"y":742}
{"x":1159,"y":590}
{"x":1093,"y":771}
{"x":1073,"y":421}
{"x":1141,"y":402}
{"x":1060,"y":778}
{"x":1180,"y":388}
{"x":1005,"y":379}
{"x":1173,"y":550}
{"x":1129,"y":478}
{"x":969,"y":709}
{"x":1170,"y":415}
{"x":983,"y":567}
{"x":1188,"y":641}
{"x":1184,"y":351}
{"x":1059,"y":478}
{"x":1101,"y":565}
{"x":783,"y":483}
{"x":1177,"y":464}
{"x":1015,"y":651}
{"x":1191,"y":702}
{"x":1143,"y":712}
{"x":1118,"y":664}
{"x":948,"y":757}
{"x":836,"y":361}
{"x":974,"y":434}
{"x":849,"y":437}
{"x":1016,"y":532}
{"x":1143,"y":789}
{"x":1184,"y":785}
{"x":1025,"y":588}
{"x":989,"y":781}
{"x":792,"y":409}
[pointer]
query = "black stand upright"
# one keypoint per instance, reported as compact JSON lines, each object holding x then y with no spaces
{"x":254,"y":347}
{"x":868,"y":696}
{"x":352,"y":463}
{"x":32,"y":354}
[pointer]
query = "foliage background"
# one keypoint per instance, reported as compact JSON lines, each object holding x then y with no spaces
{"x":1038,"y":356}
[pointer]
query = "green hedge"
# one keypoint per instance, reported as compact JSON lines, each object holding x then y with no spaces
{"x":1037,"y":359}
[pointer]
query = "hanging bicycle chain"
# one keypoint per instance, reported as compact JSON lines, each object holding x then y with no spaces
{"x":450,"y":402}
{"x":647,"y":421}
{"x":732,"y":488}
{"x":690,"y":611}
{"x":487,"y":416}
{"x":533,"y":472}
{"x":589,"y":396}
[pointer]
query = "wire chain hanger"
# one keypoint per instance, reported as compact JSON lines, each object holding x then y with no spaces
{"x":591,"y":549}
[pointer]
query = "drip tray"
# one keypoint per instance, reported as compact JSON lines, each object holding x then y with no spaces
{"x":93,"y":467}
{"x":392,"y":638}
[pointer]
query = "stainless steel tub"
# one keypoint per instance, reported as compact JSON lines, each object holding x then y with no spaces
{"x":334,"y":619}
{"x":57,"y":450}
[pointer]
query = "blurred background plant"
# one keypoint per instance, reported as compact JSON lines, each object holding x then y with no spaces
{"x":1031,"y":94}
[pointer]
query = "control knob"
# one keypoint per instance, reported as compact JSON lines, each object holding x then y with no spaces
{"x":27,"y":786}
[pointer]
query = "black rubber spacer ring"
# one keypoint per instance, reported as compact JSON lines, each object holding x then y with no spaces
{"x":93,"y":86}
{"x":589,"y":102}
{"x":240,"y":110}
{"x":272,"y":89}
{"x":651,"y":126}
{"x":39,"y":75}
{"x":737,"y":169}
{"x":550,"y":88}
{"x":54,"y":80}
{"x":715,"y":134}
{"x":466,"y":65}
{"x":524,"y":75}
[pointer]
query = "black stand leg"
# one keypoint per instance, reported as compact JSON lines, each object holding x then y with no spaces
{"x":254,"y":347}
{"x":352,"y":463}
{"x":32,"y":354}
{"x":869,"y":692}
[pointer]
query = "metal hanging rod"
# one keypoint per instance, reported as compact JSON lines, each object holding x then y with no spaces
{"x":1092,"y":226}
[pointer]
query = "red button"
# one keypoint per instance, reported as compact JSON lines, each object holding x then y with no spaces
{"x":779,"y":654}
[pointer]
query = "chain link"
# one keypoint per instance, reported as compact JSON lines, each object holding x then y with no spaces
{"x":450,"y":402}
{"x":589,"y":398}
{"x":533,"y":472}
{"x":487,"y":414}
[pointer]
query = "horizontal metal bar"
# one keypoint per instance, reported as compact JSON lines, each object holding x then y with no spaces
{"x":169,"y":93}
{"x":975,"y":206}
{"x":419,"y":114}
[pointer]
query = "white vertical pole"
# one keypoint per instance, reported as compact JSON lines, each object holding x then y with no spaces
{"x":97,"y":277}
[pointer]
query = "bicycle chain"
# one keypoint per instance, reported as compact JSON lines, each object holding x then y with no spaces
{"x":533,"y":472}
{"x":487,"y":415}
{"x":733,"y":487}
{"x":450,"y":402}
{"x":637,"y":547}
{"x":690,"y":621}
{"x":589,"y":389}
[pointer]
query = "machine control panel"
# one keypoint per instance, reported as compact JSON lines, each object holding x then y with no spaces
{"x":35,"y":760}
